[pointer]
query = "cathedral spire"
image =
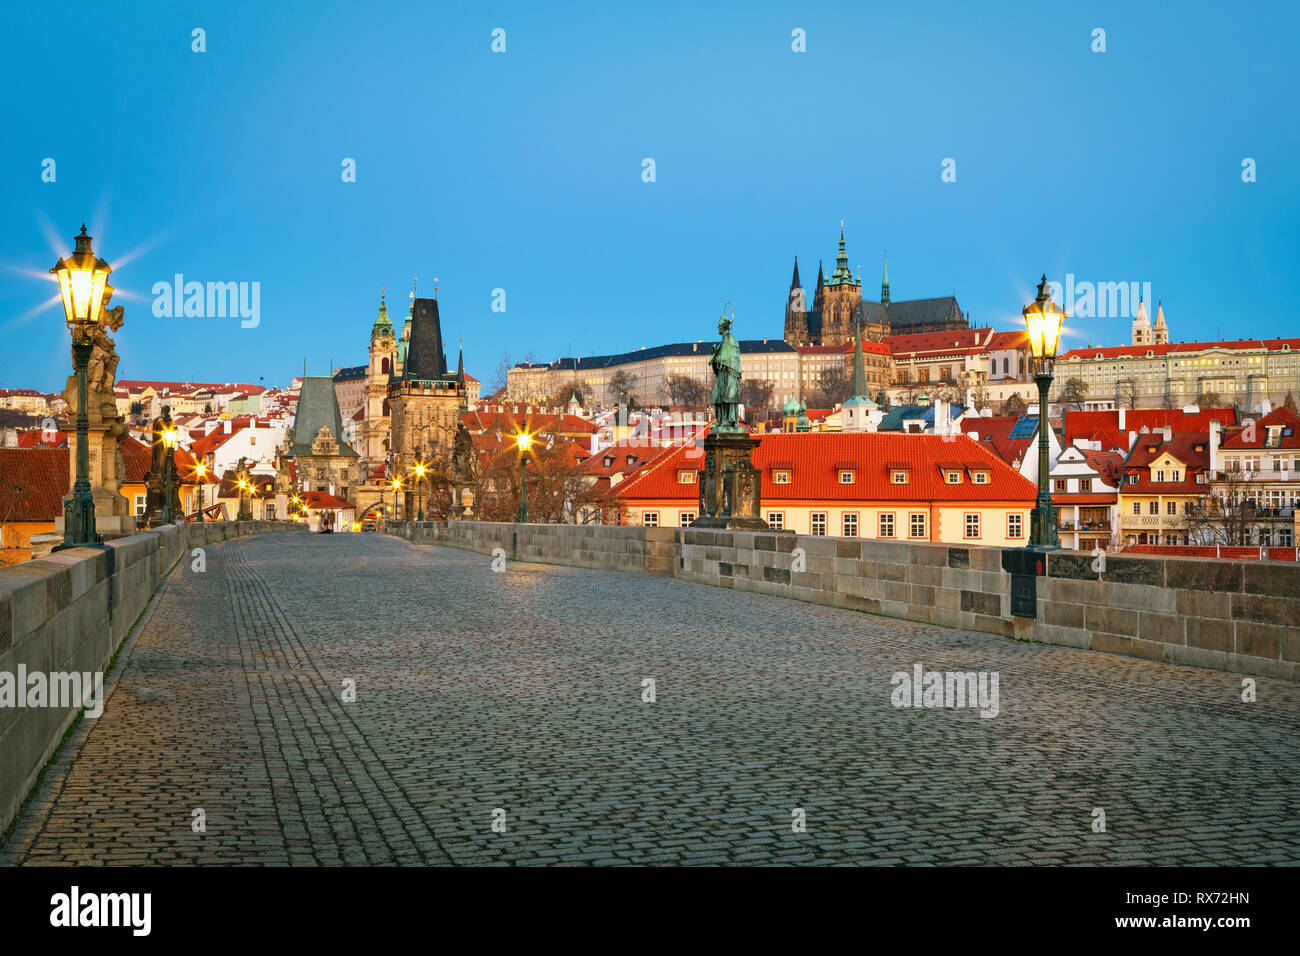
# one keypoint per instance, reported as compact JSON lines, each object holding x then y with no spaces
{"x":842,"y":275}
{"x":884,"y":283}
{"x":794,"y":282}
{"x":859,"y":368}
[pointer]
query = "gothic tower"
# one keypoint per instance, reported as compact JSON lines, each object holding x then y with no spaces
{"x":1141,"y":325}
{"x":796,"y":311}
{"x":841,"y":299}
{"x":383,"y":365}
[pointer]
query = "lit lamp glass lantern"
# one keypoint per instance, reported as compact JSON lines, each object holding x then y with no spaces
{"x":83,"y":287}
{"x":1043,"y":320}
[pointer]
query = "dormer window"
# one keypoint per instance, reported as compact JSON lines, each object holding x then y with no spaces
{"x":979,"y":477}
{"x":846,"y":476}
{"x":781,"y":477}
{"x":686,"y":477}
{"x":952,"y":477}
{"x":898,"y":476}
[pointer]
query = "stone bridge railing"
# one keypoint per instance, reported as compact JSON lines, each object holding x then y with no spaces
{"x":1241,"y":616}
{"x":69,"y":613}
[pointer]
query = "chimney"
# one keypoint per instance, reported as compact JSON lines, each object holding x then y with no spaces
{"x":1121,"y":418}
{"x":1169,"y":433}
{"x":225,"y":427}
{"x":1215,"y":428}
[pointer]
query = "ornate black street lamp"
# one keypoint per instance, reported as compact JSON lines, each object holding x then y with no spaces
{"x":83,"y":286}
{"x":1043,"y":321}
{"x":420,"y":469}
{"x":200,"y":469}
{"x":397,"y":497}
{"x":525,"y":442}
{"x":169,"y":464}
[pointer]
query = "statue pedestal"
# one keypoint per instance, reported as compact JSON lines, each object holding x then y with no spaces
{"x":462,"y":501}
{"x":730,"y":485}
{"x":112,"y":512}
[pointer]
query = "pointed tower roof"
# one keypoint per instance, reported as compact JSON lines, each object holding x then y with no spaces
{"x":821,"y":281}
{"x":884,"y":283}
{"x":842,"y":274}
{"x":794,"y":282}
{"x":382,"y":326}
{"x":460,"y":364}
{"x":425,"y":358}
{"x":1160,"y":315}
{"x":318,"y":405}
{"x":860,"y":395}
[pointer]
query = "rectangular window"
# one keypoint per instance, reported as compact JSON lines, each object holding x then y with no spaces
{"x":686,"y":477}
{"x":776,"y":520}
{"x":917,"y":524}
{"x":1153,"y":507}
{"x":898,"y":477}
{"x":650,"y":519}
{"x":270,"y":512}
{"x":886,"y":526}
{"x":972,"y":525}
{"x":980,"y":477}
{"x":1085,"y":485}
{"x":850,"y":525}
{"x":780,"y":477}
{"x":1015,"y":526}
{"x":1171,"y":507}
{"x":846,"y":477}
{"x":819,"y":522}
{"x":1137,"y":507}
{"x":952,"y":477}
{"x":687,"y":518}
{"x":1059,"y":485}
{"x":139,"y":504}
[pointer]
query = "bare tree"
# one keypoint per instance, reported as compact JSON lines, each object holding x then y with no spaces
{"x":688,"y":391}
{"x":1209,"y":400}
{"x":835,"y":384}
{"x":1227,"y":515}
{"x":979,"y":397}
{"x":1074,"y":392}
{"x":756,"y":396}
{"x":1290,"y":402}
{"x":1014,"y":405}
{"x":1126,"y":393}
{"x":622,"y":387}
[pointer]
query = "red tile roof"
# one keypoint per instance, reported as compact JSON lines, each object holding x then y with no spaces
{"x":954,"y":341}
{"x":1014,"y":339}
{"x":1283,"y":416}
{"x":1129,"y":351}
{"x":1104,"y":426}
{"x":816,"y":455}
{"x":994,"y":433}
{"x":33,"y":482}
{"x":324,"y":500}
{"x":34,"y":439}
{"x":1193,"y":450}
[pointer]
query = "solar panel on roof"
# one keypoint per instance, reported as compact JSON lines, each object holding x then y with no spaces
{"x":1024,"y":427}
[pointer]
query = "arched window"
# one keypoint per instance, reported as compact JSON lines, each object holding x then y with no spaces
{"x":384,"y":366}
{"x":1006,"y":366}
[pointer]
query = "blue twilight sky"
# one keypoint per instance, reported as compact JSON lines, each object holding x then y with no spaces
{"x":523,"y":170}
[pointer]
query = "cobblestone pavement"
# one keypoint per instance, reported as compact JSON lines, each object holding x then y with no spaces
{"x":522,"y":691}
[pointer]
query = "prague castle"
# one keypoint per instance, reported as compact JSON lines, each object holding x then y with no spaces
{"x":838,"y":308}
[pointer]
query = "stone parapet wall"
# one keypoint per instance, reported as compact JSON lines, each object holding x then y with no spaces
{"x":1241,"y":616}
{"x":70,"y":612}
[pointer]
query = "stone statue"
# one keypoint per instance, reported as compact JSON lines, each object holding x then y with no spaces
{"x":101,"y":372}
{"x":158,"y":445}
{"x":725,"y":362}
{"x":464,"y":463}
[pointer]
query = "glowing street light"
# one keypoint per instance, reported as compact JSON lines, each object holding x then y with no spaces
{"x":1043,"y":320}
{"x":200,"y":471}
{"x":524,"y":441}
{"x":84,"y":288}
{"x":420,"y":469}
